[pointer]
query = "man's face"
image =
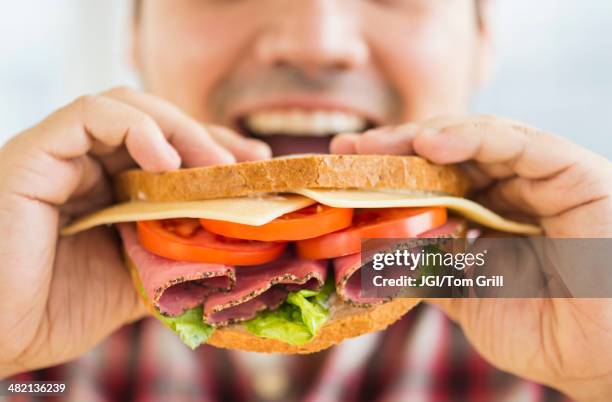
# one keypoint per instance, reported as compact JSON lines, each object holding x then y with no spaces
{"x":295,"y":72}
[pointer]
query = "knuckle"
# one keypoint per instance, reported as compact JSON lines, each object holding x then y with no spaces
{"x":215,"y":131}
{"x":482,"y":122}
{"x":85,"y":105}
{"x":370,"y":135}
{"x":89,"y":103}
{"x":120,"y":91}
{"x":488,"y":117}
{"x":533,"y":133}
{"x":143,"y":122}
{"x":85,"y":102}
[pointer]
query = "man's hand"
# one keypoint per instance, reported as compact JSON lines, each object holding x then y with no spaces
{"x":62,"y":295}
{"x":520,"y":171}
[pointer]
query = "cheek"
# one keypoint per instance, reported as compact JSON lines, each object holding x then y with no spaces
{"x":429,"y":61}
{"x":185,"y":53}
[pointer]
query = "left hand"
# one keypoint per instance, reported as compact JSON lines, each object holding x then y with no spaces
{"x":518,"y":170}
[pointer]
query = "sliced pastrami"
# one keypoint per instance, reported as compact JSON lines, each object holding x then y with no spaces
{"x":263,"y":287}
{"x":268,"y":300}
{"x":183,"y":296}
{"x":174,"y":286}
{"x":348,"y":284}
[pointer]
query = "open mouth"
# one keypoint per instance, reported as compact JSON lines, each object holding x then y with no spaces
{"x":302,"y":122}
{"x":300,"y":130}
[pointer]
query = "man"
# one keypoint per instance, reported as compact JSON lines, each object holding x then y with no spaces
{"x":271,"y":67}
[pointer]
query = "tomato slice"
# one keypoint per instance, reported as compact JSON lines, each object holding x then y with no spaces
{"x":183,"y":227}
{"x":164,"y":239}
{"x":373,"y":224}
{"x":306,"y":223}
{"x":399,"y":222}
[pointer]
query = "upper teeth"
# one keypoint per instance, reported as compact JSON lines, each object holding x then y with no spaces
{"x":304,"y":122}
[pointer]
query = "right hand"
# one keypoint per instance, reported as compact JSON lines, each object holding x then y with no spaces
{"x":519,"y":170}
{"x":60,"y":296}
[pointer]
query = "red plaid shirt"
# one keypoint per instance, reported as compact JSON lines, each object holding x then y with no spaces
{"x":423,"y":357}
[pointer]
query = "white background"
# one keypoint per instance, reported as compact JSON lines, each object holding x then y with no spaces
{"x":554,"y":62}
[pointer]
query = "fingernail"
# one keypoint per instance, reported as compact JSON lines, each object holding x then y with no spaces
{"x":225,"y":157}
{"x":260,"y":150}
{"x":343,"y":143}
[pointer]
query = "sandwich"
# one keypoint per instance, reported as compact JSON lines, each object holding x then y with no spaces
{"x":264,"y":256}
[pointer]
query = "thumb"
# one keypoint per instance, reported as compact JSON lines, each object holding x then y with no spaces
{"x":244,"y":149}
{"x":138,"y":311}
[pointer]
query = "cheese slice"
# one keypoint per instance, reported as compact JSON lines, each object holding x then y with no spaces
{"x":261,"y":209}
{"x":254,"y":211}
{"x":391,"y":199}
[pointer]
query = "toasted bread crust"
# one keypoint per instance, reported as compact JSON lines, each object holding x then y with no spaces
{"x":345,"y":322}
{"x":285,"y":174}
{"x":351,"y":323}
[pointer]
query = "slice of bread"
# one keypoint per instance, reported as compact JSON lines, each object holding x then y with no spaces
{"x":345,"y":321}
{"x":284,"y":174}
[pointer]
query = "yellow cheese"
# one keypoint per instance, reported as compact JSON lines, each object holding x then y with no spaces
{"x":264,"y":208}
{"x":246,"y":210}
{"x":391,"y":199}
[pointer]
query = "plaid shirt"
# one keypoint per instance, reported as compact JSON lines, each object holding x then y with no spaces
{"x":422,"y":357}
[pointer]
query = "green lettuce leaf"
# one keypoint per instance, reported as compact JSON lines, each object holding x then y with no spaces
{"x":297,"y":320}
{"x":190,"y":327}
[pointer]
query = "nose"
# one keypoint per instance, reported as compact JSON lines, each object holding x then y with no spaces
{"x":312,"y":35}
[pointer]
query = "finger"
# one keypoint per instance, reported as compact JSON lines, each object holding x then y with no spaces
{"x":477,"y":177}
{"x":244,"y":149}
{"x":496,"y":202}
{"x":388,"y":140}
{"x":344,"y":144}
{"x":503,"y":207}
{"x":439,"y":122}
{"x":100,"y":149}
{"x":528,"y":152}
{"x":579,"y":185}
{"x":193,"y":143}
{"x":93,"y":191}
{"x":72,"y":131}
{"x":595,"y":219}
{"x":44,"y":161}
{"x":117,"y":161}
{"x":91,"y":176}
{"x":496,"y":170}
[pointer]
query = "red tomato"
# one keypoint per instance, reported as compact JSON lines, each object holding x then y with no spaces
{"x":184,"y":227}
{"x":164,"y":239}
{"x":306,"y":223}
{"x":373,"y":224}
